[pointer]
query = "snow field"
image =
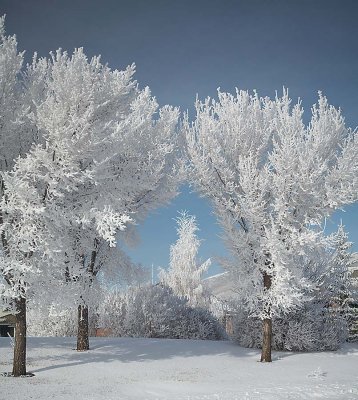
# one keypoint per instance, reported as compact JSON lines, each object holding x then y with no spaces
{"x":148,"y":369}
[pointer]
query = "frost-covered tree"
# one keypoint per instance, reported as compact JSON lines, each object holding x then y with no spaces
{"x":133,"y":172}
{"x":20,"y":90}
{"x":272,"y":180}
{"x":55,"y":312}
{"x":39,"y":204}
{"x":56,"y":184}
{"x":11,"y":108}
{"x":102,"y":266}
{"x":185,"y":270}
{"x":102,"y":155}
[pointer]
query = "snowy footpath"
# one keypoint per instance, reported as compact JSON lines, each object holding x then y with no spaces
{"x":139,"y":369}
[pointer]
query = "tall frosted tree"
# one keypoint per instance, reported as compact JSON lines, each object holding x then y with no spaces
{"x":40,"y":204}
{"x":272,"y":180}
{"x":20,"y":89}
{"x":11,"y":108}
{"x":134,"y":172}
{"x":101,"y":159}
{"x":185,"y":269}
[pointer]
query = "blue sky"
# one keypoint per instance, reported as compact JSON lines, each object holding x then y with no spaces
{"x":184,"y":48}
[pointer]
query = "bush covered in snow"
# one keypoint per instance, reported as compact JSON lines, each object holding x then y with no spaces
{"x":52,"y":321}
{"x":312,"y":328}
{"x":55,"y":320}
{"x":154,"y":311}
{"x":146,"y":311}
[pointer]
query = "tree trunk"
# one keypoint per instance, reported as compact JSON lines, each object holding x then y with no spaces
{"x":83,"y":325}
{"x":266,"y":340}
{"x":82,"y":334}
{"x":266,"y":327}
{"x":19,"y":364}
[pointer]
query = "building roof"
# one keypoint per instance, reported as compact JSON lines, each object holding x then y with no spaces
{"x":220,"y":285}
{"x":355,"y":260}
{"x":6,"y":317}
{"x":354,"y":265}
{"x":4,"y":313}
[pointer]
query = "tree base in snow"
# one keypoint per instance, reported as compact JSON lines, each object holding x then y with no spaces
{"x":82,"y":335}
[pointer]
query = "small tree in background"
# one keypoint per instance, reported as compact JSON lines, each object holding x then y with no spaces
{"x":185,"y":270}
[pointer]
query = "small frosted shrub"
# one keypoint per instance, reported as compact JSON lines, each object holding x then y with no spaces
{"x":154,"y":311}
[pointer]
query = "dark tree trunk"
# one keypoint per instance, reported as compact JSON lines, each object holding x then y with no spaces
{"x":266,"y":328}
{"x":266,"y":340}
{"x":82,"y":334}
{"x":83,"y":324}
{"x":19,"y":364}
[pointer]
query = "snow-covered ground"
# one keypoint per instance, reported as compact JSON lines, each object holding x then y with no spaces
{"x":124,"y":368}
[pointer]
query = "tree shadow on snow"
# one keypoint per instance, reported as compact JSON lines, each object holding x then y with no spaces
{"x":128,"y":350}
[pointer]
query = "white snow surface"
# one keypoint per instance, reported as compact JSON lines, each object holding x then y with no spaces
{"x":133,"y":369}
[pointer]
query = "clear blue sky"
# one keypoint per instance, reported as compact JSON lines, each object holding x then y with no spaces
{"x":182,"y":48}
